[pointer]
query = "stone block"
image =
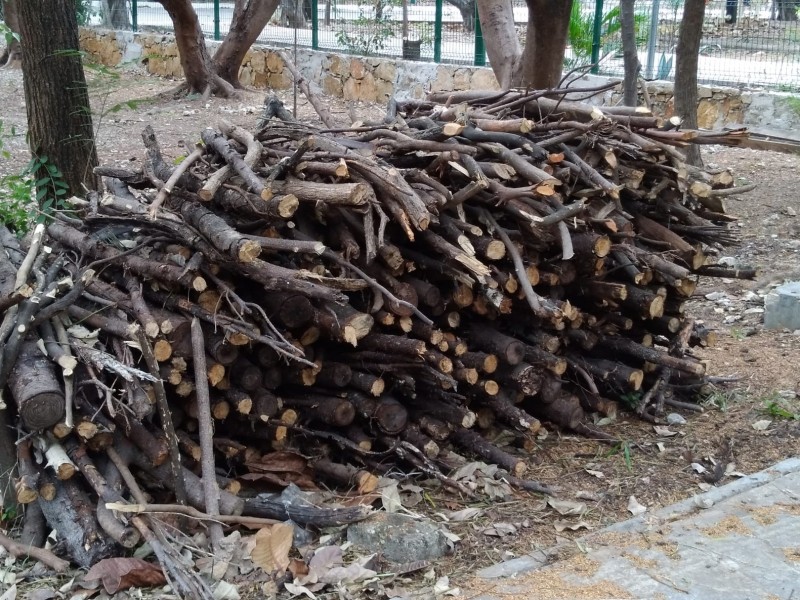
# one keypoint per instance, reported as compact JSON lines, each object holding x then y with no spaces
{"x":260,"y":79}
{"x":704,"y":92}
{"x":246,"y":76}
{"x":707,"y":114}
{"x":386,"y":70}
{"x":782,"y":307}
{"x":461,"y":79}
{"x":443,"y":81}
{"x":331,"y":85}
{"x":357,"y":68}
{"x":484,"y":79}
{"x":258,"y":62}
{"x":400,"y":539}
{"x":280,"y":81}
{"x":274,"y":62}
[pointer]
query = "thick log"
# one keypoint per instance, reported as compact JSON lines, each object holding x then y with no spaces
{"x":508,"y":349}
{"x":473,"y":442}
{"x":36,"y":390}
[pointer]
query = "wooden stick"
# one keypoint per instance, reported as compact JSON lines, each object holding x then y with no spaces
{"x":206,"y":432}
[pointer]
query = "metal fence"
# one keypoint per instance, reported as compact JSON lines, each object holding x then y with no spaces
{"x":745,"y":42}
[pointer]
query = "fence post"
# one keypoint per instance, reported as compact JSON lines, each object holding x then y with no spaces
{"x":315,"y":24}
{"x":597,"y":31}
{"x":480,"y":48}
{"x":651,"y":41}
{"x":216,"y":20}
{"x":437,"y":32}
{"x":134,"y":15}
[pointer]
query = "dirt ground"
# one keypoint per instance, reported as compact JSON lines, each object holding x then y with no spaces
{"x":656,"y":470}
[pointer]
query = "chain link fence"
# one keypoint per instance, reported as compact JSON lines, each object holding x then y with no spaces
{"x":745,"y":42}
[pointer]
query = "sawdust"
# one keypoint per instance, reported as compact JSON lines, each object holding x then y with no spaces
{"x":763,"y":515}
{"x":792,"y":553}
{"x":728,"y":526}
{"x":640,"y":561}
{"x":792,"y":509}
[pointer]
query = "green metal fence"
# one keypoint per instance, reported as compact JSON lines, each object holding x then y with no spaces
{"x":753,"y":42}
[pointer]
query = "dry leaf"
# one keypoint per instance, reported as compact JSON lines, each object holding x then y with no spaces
{"x":296,"y":590}
{"x":598,"y":474}
{"x":349,"y":574}
{"x":762,"y":425}
{"x":297,"y":568}
{"x":634,"y":507}
{"x":563,"y":525}
{"x":500,"y":530}
{"x":10,"y":593}
{"x":462,"y":515}
{"x":122,"y":573}
{"x":226,"y":591}
{"x":272,"y":547}
{"x":664,"y":431}
{"x":567,"y":507}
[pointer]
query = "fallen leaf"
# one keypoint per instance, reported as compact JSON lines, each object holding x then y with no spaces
{"x":699,"y":468}
{"x":598,"y":474}
{"x":563,"y":525}
{"x":634,"y":507}
{"x":762,"y":425}
{"x":567,"y":507}
{"x":296,"y":590}
{"x":297,"y":568}
{"x":325,"y":558}
{"x":10,"y":593}
{"x":664,"y":431}
{"x":40,"y":594}
{"x":271,"y":552}
{"x":226,"y":591}
{"x":390,"y":498}
{"x":462,"y":515}
{"x":349,"y":574}
{"x":500,"y":530}
{"x":122,"y":573}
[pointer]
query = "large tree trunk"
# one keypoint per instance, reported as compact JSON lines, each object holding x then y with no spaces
{"x":687,"y":53}
{"x":785,"y":10}
{"x":115,"y":14}
{"x":292,"y":13}
{"x":56,"y":97}
{"x":502,"y":45}
{"x":629,"y":55}
{"x":467,"y":10}
{"x":545,"y":42}
{"x":195,"y":60}
{"x":246,"y":25}
{"x":12,"y":54}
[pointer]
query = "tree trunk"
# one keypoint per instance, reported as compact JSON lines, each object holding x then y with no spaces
{"x":115,"y":14}
{"x":292,"y":14}
{"x":630,"y":57}
{"x":56,"y":97}
{"x":785,"y":10}
{"x":687,"y":53}
{"x":545,"y":42}
{"x":195,"y":60}
{"x":247,"y":23}
{"x":12,"y":54}
{"x":467,"y":10}
{"x":502,"y":45}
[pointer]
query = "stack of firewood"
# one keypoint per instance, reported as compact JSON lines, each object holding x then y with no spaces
{"x":387,"y":293}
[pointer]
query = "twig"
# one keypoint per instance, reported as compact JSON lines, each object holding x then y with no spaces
{"x":41,"y":554}
{"x":173,"y":179}
{"x":190,"y":511}
{"x":206,"y":432}
{"x":166,"y":415}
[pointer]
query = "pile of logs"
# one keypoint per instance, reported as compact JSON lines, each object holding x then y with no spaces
{"x":302,"y":305}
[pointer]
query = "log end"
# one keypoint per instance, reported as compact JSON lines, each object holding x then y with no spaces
{"x":42,"y":411}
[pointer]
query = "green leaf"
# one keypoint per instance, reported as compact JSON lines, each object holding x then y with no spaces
{"x":42,"y":182}
{"x":60,"y":183}
{"x":42,"y":159}
{"x":61,"y":192}
{"x":41,"y":194}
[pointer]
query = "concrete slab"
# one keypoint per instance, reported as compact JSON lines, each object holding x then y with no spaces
{"x":737,"y":542}
{"x":782,"y":307}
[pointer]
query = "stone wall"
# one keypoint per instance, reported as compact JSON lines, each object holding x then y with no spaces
{"x":374,"y":79}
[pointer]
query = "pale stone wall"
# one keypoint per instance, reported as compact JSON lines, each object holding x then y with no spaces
{"x":374,"y":79}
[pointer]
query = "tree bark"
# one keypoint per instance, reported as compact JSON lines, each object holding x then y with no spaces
{"x":629,"y":56}
{"x":545,"y":42}
{"x":467,"y":10}
{"x":115,"y":14}
{"x":56,"y":96}
{"x":195,"y":60}
{"x":687,"y":53}
{"x":247,"y":23}
{"x":500,"y":35}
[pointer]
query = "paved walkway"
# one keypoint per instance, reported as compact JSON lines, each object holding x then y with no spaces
{"x":740,"y":541}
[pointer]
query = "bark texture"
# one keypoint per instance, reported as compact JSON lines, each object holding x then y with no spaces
{"x":12,"y":54}
{"x":500,"y":35}
{"x":688,"y":51}
{"x":630,"y":58}
{"x":249,"y":19}
{"x":545,"y":42}
{"x":57,"y":100}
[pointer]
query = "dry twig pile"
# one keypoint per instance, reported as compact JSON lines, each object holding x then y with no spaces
{"x":363,"y":296}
